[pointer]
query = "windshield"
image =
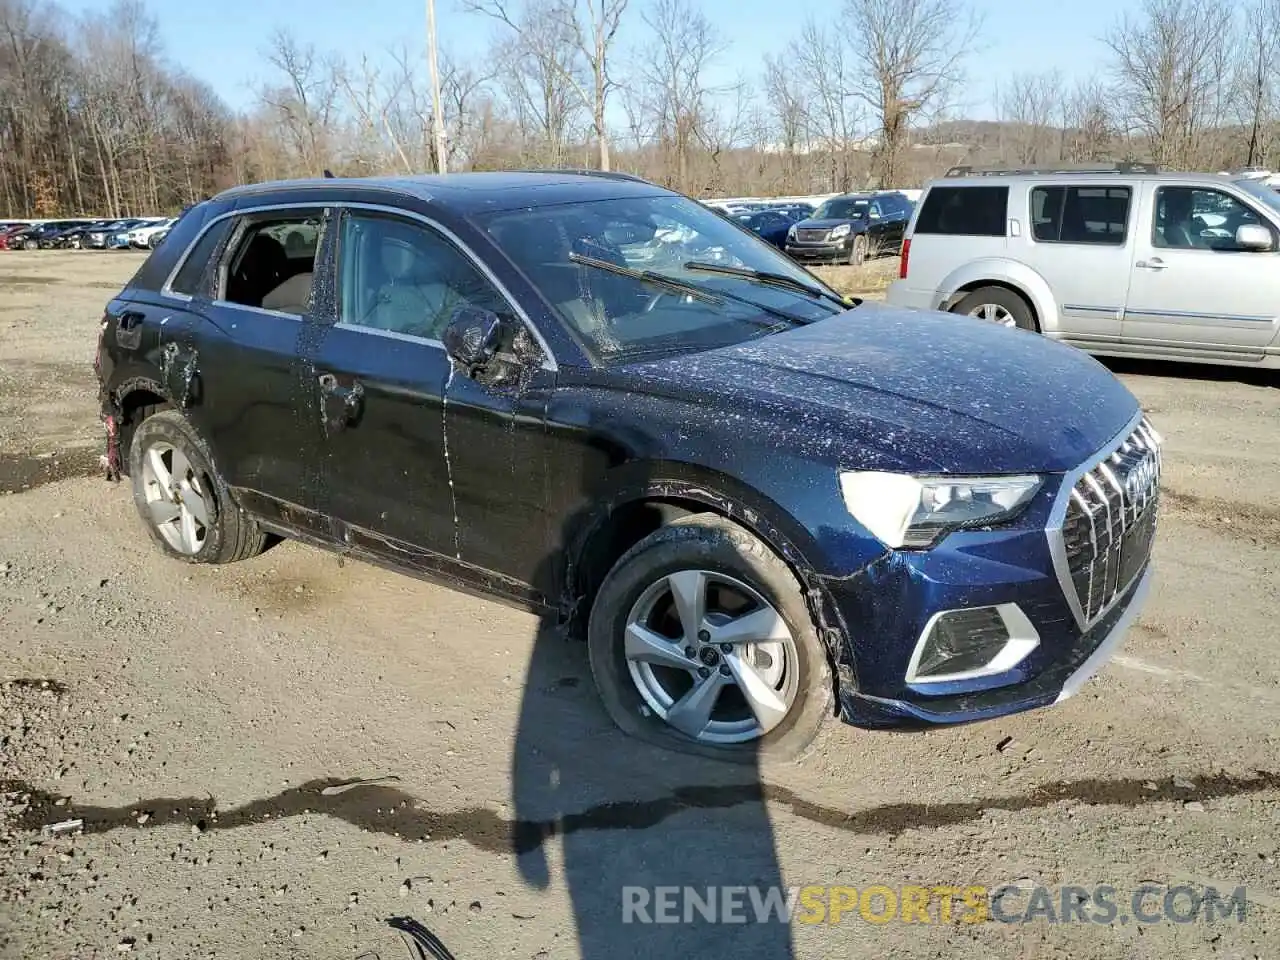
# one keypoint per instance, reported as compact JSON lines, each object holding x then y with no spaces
{"x":617,"y":317}
{"x":1259,"y":190}
{"x":842,"y":208}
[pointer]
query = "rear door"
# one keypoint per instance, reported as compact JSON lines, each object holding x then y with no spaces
{"x":1193,"y":289}
{"x":257,"y":404}
{"x":1081,"y":243}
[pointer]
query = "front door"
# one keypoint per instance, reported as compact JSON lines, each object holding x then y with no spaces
{"x":1193,"y":288}
{"x":422,"y":463}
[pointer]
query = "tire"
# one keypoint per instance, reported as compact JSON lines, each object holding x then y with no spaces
{"x":228,"y":533}
{"x":30,"y":244}
{"x":708,"y":546}
{"x":998,"y":302}
{"x":858,"y":252}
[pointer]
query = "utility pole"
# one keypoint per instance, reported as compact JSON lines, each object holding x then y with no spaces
{"x":437,"y":117}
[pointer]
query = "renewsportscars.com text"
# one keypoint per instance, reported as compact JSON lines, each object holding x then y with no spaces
{"x":880,"y":904}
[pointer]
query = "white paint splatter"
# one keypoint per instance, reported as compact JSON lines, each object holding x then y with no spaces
{"x":448,"y":462}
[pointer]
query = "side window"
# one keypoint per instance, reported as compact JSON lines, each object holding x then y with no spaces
{"x":876,"y":211}
{"x":402,"y":277}
{"x":266,"y":269}
{"x":1187,"y":218}
{"x":965,"y":211}
{"x":1083,"y":214}
{"x":190,"y":276}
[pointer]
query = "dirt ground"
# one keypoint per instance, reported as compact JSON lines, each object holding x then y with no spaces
{"x":194,"y":717}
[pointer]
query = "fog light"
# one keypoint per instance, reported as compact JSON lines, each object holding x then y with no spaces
{"x":970,"y":643}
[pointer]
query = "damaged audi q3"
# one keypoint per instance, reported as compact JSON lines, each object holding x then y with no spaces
{"x":762,"y":504}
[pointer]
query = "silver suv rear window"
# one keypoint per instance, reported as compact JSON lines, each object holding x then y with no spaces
{"x":964,"y":211}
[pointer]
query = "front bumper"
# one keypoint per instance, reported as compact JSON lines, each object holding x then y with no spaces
{"x":825,"y":252}
{"x":995,"y":621}
{"x":1074,"y":662}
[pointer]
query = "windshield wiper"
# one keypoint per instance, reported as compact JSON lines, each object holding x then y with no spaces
{"x":648,"y":276}
{"x":765,"y":276}
{"x":697,"y":291}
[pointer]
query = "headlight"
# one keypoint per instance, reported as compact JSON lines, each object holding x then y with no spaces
{"x":840,"y":231}
{"x":791,"y":233}
{"x":906,"y":511}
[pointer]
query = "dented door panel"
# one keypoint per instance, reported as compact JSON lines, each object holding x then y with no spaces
{"x":382,"y":468}
{"x":259,"y":406}
{"x":497,"y":458}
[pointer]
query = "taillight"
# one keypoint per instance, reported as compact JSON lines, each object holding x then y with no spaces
{"x":906,"y":253}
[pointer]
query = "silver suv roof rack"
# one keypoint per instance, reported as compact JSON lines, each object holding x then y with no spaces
{"x":1120,"y":167}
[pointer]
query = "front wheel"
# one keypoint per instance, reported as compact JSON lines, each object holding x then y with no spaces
{"x":858,"y":252}
{"x":185,"y":505}
{"x":700,"y":640}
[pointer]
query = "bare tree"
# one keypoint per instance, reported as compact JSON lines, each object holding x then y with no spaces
{"x":1088,"y":130}
{"x":912,"y":58}
{"x":825,"y":66}
{"x":674,"y":71}
{"x":305,"y":102}
{"x":1034,"y":105}
{"x":544,"y":67}
{"x":785,"y":97}
{"x":594,"y":41}
{"x":1254,"y":86}
{"x":1168,"y":70}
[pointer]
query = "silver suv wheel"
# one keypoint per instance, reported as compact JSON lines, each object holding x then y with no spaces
{"x":711,"y":657}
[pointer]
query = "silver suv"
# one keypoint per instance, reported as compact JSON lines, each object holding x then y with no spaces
{"x":1120,"y":260}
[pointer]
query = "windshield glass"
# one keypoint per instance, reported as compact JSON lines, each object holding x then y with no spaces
{"x":620,"y":318}
{"x":1259,"y":190}
{"x":842,"y":208}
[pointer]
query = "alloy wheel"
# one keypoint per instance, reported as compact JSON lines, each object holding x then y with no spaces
{"x":178,"y":499}
{"x":711,"y":657}
{"x":994,"y":313}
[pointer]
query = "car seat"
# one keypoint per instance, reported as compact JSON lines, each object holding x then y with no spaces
{"x":262,"y":268}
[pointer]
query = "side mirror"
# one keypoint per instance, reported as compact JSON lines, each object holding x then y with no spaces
{"x":1253,"y":236}
{"x":471,"y":338}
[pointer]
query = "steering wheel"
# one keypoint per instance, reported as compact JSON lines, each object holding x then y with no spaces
{"x":657,"y":298}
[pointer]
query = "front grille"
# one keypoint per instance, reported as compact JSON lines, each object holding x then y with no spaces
{"x":1111,"y":520}
{"x":811,"y":236}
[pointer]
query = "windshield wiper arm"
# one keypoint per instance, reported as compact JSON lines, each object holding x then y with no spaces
{"x":697,"y":291}
{"x":765,"y":276}
{"x":648,"y":276}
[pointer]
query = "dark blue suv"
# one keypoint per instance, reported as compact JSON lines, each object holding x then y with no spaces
{"x":762,"y":503}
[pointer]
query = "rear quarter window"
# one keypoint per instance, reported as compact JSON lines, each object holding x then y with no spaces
{"x":964,"y":211}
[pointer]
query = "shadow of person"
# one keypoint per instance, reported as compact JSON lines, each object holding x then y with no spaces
{"x":663,"y":854}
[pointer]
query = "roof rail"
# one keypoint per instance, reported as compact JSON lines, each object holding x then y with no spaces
{"x":587,"y":172}
{"x":1119,"y":167}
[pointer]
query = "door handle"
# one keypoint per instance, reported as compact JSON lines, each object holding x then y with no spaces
{"x":1155,"y":263}
{"x":342,"y":403}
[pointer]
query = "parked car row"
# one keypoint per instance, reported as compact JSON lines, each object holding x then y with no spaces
{"x":849,"y":228}
{"x":142,"y":233}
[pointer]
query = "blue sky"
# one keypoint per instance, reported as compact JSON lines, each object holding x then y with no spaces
{"x":221,"y":41}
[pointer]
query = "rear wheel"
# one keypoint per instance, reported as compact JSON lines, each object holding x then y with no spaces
{"x":700,"y":640}
{"x":185,"y":505}
{"x":997,"y":305}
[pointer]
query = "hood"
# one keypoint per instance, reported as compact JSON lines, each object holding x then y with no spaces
{"x":917,"y":391}
{"x":827,"y":223}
